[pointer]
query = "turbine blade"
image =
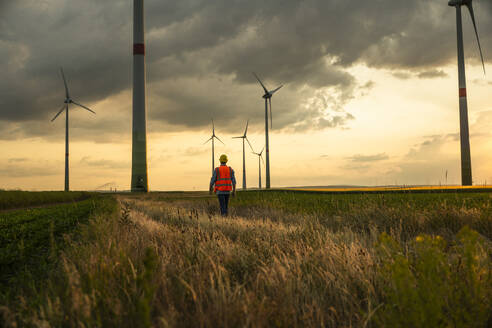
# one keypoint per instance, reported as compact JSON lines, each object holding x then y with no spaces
{"x":208,"y":140}
{"x":219,"y":140}
{"x":249,"y":144}
{"x":238,"y":137}
{"x":262,"y":160}
{"x":213,"y":128}
{"x":272,"y":92}
{"x":470,"y":8}
{"x":57,"y":114}
{"x":264,"y":88}
{"x":65,"y":83}
{"x":262,"y":149}
{"x":246,"y":130}
{"x":87,"y":108}
{"x":271,"y":120}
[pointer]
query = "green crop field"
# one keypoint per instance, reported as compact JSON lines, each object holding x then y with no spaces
{"x":32,"y":237}
{"x":31,"y":233}
{"x":282,"y":259}
{"x":22,"y":199}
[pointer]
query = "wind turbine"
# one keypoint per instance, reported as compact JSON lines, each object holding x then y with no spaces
{"x":466,"y":173}
{"x":268,"y":99}
{"x":67,"y":101}
{"x":259,"y":166}
{"x":244,"y":137}
{"x":213,"y":145}
{"x":139,"y":179}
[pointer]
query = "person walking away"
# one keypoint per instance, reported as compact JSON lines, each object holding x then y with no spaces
{"x":225,"y":183}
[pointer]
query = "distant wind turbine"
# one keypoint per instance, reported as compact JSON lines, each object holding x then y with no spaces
{"x":259,"y":166}
{"x":466,"y":172}
{"x":244,"y":137}
{"x":268,"y":99}
{"x":67,"y":101}
{"x":213,"y":145}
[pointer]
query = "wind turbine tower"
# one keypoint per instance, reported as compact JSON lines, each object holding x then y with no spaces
{"x":213,"y":145}
{"x":244,"y":137}
{"x":259,"y":166}
{"x":68,"y":100}
{"x":268,"y":99}
{"x":139,"y":181}
{"x":466,"y":170}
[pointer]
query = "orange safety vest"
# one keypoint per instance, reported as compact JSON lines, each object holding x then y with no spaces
{"x":223,"y":181}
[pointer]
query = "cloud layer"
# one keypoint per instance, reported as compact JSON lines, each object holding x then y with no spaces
{"x":201,"y":54}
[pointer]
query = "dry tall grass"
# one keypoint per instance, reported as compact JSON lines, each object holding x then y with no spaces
{"x":167,"y":264}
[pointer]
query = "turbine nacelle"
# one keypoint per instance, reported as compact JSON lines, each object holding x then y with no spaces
{"x":68,"y":99}
{"x":455,"y":3}
{"x":213,"y":134}
{"x":269,"y":94}
{"x":244,"y":136}
{"x":260,"y":155}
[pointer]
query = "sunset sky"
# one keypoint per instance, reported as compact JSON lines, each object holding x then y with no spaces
{"x":370,"y":92}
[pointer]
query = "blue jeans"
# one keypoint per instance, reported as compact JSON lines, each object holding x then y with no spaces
{"x":224,"y":202}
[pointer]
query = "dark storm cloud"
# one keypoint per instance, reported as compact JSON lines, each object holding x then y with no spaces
{"x":402,"y":75}
{"x":201,"y":54}
{"x":432,"y":74}
{"x":423,"y":74}
{"x":3,"y":5}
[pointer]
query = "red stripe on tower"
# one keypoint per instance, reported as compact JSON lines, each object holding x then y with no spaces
{"x":139,"y":49}
{"x":462,"y":92}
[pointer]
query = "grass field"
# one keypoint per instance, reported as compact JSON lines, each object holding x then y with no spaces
{"x":389,"y":189}
{"x":281,"y":259}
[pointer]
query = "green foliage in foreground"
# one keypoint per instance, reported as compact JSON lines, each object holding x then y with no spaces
{"x":30,"y":235}
{"x":22,"y":199}
{"x":432,"y":284}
